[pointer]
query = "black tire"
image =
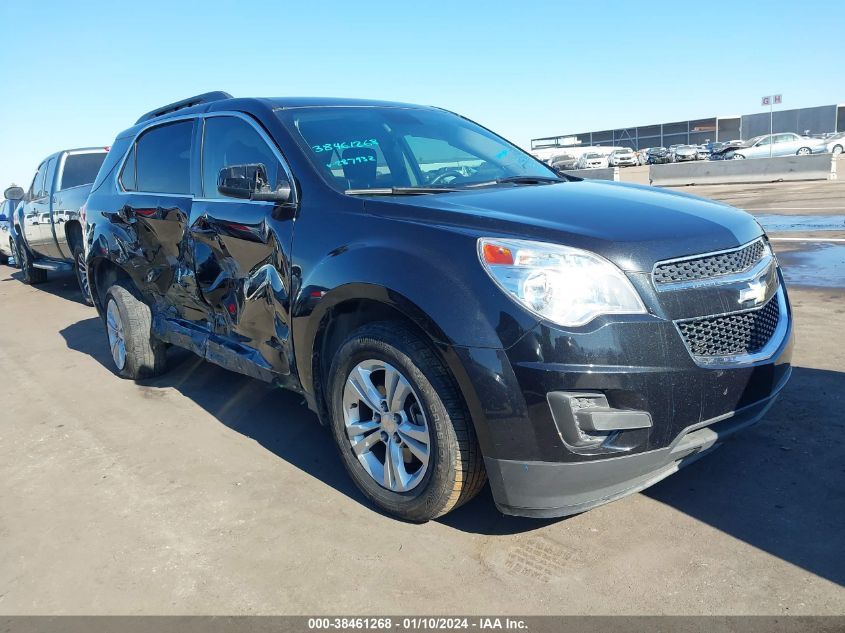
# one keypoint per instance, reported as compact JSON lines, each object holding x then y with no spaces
{"x":144,"y":356}
{"x":31,"y":275}
{"x":837,"y":149}
{"x":81,"y":271}
{"x":455,"y":471}
{"x":803,"y":151}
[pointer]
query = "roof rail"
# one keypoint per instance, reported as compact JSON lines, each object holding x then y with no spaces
{"x":207,"y":97}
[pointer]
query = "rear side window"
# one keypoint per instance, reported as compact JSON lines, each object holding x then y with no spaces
{"x":81,"y":169}
{"x":161,"y":160}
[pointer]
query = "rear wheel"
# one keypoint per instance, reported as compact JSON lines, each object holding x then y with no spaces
{"x":400,"y":425}
{"x":135,"y":351}
{"x":82,"y":274}
{"x":31,"y":275}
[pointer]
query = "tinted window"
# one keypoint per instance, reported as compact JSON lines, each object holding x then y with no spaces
{"x":163,"y":159}
{"x":230,"y":141}
{"x":127,"y":176}
{"x":81,"y":169}
{"x":37,"y":185}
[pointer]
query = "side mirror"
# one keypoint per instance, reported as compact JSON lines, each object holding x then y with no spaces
{"x":249,"y":182}
{"x":13,"y":193}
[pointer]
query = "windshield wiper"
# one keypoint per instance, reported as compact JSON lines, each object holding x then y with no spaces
{"x":398,"y":191}
{"x":520,"y":180}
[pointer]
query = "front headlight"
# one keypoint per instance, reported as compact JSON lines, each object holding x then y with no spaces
{"x":567,"y":286}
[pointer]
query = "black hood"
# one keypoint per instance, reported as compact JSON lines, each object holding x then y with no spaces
{"x":632,"y":225}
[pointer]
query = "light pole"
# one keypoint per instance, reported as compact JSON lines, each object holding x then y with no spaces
{"x":770,"y":101}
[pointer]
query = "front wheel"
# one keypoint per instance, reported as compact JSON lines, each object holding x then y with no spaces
{"x":837,"y":149}
{"x":737,"y":157}
{"x":400,"y":424}
{"x":135,"y":350}
{"x":804,"y":151}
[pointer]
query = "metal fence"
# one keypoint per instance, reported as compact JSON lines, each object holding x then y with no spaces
{"x":816,"y":120}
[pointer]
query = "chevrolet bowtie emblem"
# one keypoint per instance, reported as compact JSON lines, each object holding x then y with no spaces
{"x":756,"y":292}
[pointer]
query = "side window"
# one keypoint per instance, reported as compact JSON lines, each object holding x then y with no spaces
{"x":127,"y":176}
{"x":230,"y":141}
{"x":37,"y":182}
{"x":162,"y":159}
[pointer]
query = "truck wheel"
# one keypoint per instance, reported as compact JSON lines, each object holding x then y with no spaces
{"x":82,"y":274}
{"x":136,"y":352}
{"x":30,"y":275}
{"x":400,"y":425}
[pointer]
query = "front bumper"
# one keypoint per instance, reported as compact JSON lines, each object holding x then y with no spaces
{"x":554,"y":489}
{"x":638,"y":365}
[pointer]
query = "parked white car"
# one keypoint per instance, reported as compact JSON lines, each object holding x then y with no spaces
{"x":835,"y":144}
{"x":783,"y":144}
{"x":591,"y":160}
{"x":622,"y":158}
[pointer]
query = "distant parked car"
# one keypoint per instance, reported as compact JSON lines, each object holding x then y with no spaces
{"x":622,"y":158}
{"x":835,"y":144}
{"x":685,"y":153}
{"x":702,"y":153}
{"x":658,"y":156}
{"x":563,"y":161}
{"x":642,"y":156}
{"x":7,"y":237}
{"x":723,"y":151}
{"x":591,"y":160}
{"x":783,"y":144}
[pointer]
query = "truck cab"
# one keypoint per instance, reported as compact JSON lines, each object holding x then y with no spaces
{"x":47,"y":223}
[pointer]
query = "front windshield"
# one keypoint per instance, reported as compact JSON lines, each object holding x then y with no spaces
{"x":385,"y":147}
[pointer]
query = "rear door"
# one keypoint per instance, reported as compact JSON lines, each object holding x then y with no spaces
{"x":786,"y":144}
{"x":157,"y":188}
{"x":77,"y":169}
{"x":242,"y":247}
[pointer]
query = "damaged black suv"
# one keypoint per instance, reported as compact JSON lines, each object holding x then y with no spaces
{"x":450,"y":307}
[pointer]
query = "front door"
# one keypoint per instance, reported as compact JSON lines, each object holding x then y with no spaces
{"x":36,"y":206}
{"x":242,"y":249}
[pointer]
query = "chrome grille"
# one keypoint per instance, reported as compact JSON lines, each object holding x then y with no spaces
{"x":709,"y":266}
{"x":736,"y":334}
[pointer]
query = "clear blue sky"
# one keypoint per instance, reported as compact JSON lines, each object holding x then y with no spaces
{"x":84,"y":71}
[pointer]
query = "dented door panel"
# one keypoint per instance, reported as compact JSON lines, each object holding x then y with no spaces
{"x":241,"y":259}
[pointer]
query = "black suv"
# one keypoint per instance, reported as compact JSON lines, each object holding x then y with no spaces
{"x":452,"y":308}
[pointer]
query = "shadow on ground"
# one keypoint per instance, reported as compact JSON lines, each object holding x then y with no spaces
{"x":779,"y":486}
{"x":279,"y":421}
{"x":63,"y":285}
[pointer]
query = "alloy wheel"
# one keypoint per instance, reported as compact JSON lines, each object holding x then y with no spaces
{"x":386,"y":426}
{"x":117,"y":336}
{"x":82,"y":275}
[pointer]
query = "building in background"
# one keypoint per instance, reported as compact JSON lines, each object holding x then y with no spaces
{"x":817,"y":120}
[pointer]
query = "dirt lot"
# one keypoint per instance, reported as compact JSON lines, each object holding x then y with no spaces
{"x":205,"y":492}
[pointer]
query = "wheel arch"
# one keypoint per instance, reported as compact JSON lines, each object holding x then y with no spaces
{"x":102,"y":274}
{"x":352,"y":307}
{"x":73,"y":234}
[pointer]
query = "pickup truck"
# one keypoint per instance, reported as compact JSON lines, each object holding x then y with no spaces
{"x":47,"y":226}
